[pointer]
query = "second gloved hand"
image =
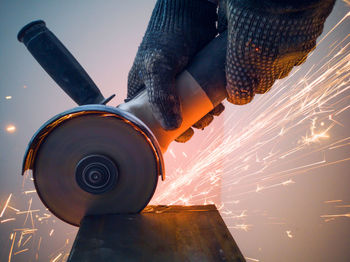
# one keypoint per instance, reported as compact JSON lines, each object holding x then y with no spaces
{"x":178,"y":29}
{"x":266,"y":39}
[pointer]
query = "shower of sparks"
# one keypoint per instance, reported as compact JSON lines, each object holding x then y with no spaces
{"x":288,"y":132}
{"x":11,"y":128}
{"x":246,"y":161}
{"x":306,"y":111}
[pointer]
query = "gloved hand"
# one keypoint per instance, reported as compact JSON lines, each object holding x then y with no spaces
{"x":178,"y":29}
{"x":201,"y":123}
{"x":266,"y":39}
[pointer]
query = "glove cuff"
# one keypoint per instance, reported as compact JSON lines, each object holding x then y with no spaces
{"x":182,"y":15}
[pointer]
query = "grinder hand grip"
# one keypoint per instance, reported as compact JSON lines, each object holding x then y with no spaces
{"x":59,"y":63}
{"x":200,"y":87}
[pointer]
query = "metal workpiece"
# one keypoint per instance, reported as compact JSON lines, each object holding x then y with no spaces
{"x":158,"y":233}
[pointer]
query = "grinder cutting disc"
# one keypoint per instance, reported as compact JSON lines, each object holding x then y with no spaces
{"x":94,"y":160}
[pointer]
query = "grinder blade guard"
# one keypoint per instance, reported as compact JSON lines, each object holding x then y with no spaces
{"x":96,"y":159}
{"x":93,"y":160}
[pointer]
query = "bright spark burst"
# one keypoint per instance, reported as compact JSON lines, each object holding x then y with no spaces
{"x":308,"y":109}
{"x":11,"y":128}
{"x":8,"y":97}
{"x":289,"y":233}
{"x":288,"y":132}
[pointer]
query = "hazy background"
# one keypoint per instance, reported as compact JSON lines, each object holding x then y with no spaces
{"x":281,"y":186}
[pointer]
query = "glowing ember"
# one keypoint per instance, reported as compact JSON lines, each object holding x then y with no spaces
{"x":11,"y":128}
{"x":289,"y":233}
{"x":8,"y":97}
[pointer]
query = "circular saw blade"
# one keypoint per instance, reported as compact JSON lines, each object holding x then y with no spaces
{"x":103,"y":134}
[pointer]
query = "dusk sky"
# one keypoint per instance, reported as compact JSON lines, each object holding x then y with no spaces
{"x":277,"y":168}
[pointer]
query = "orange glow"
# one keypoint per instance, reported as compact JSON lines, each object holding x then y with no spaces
{"x":29,"y":161}
{"x":11,"y":128}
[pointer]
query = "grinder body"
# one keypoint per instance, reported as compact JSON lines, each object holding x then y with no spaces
{"x":73,"y":152}
{"x":200,"y":88}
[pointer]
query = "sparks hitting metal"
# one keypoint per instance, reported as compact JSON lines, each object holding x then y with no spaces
{"x":96,"y":159}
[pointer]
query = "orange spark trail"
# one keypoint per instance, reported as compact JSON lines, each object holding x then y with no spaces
{"x":6,"y":204}
{"x":11,"y":249}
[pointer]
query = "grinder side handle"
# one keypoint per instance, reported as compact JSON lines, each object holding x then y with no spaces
{"x":59,"y":63}
{"x":200,"y":87}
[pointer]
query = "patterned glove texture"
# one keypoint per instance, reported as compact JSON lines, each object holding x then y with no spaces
{"x":177,"y":30}
{"x":266,"y":39}
{"x":201,"y":124}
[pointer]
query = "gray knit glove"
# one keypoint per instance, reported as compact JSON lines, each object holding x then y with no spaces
{"x":266,"y":39}
{"x":178,"y":29}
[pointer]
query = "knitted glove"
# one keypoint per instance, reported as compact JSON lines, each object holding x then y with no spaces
{"x":266,"y":39}
{"x":201,"y":124}
{"x":177,"y":30}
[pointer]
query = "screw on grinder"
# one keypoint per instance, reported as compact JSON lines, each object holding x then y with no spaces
{"x":96,"y":159}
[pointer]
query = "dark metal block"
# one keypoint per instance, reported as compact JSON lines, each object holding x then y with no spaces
{"x":159,"y":233}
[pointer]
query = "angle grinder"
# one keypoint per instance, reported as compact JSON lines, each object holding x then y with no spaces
{"x":96,"y":159}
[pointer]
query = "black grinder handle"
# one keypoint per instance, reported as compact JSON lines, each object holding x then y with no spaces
{"x":208,"y":68}
{"x":59,"y":63}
